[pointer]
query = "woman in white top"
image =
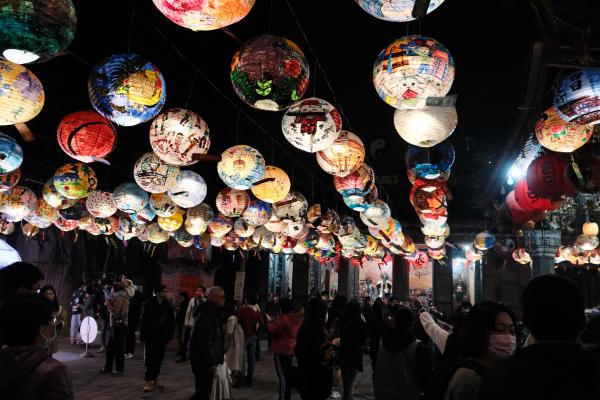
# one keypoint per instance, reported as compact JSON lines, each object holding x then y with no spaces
{"x":235,"y":349}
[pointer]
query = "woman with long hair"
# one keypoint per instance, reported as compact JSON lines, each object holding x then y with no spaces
{"x":59,"y":314}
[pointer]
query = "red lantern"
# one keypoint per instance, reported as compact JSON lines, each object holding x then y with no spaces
{"x":545,"y":176}
{"x":531,"y":201}
{"x":86,"y":136}
{"x":518,"y":214}
{"x":428,"y":195}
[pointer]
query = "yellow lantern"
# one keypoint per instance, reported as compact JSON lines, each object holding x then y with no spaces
{"x":274,"y":185}
{"x":590,"y":229}
{"x":156,"y":234}
{"x":172,"y":223}
{"x":22,"y":94}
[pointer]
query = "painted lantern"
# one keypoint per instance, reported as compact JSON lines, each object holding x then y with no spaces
{"x":21,"y":93}
{"x":9,"y":179}
{"x":53,"y":197}
{"x":555,"y":134}
{"x":577,"y":99}
{"x":220,"y":226}
{"x":294,"y":206}
{"x":189,"y":191}
{"x":75,"y":180}
{"x":201,"y":15}
{"x":358,"y":183}
{"x":429,"y":163}
{"x":232,"y":202}
{"x":172,"y":223}
{"x":154,"y":175}
{"x":202,"y":214}
{"x":11,"y":154}
{"x":86,"y":136}
{"x":258,"y":213}
{"x":376,"y":215}
{"x":274,"y":185}
{"x":162,"y":204}
{"x":394,"y":10}
{"x":130,"y":198}
{"x":345,"y":155}
{"x":241,"y":166}
{"x":17,"y":203}
{"x":101,"y":204}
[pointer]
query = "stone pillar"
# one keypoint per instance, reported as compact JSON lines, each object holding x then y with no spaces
{"x":300,"y":280}
{"x":442,"y":286}
{"x":347,"y":279}
{"x":541,"y":245}
{"x":315,"y":275}
{"x":400,"y":278}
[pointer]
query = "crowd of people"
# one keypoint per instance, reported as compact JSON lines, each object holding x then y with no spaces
{"x":482,"y":351}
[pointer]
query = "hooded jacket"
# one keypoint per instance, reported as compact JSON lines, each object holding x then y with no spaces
{"x":545,"y":370}
{"x":29,"y":373}
{"x":284,"y":332}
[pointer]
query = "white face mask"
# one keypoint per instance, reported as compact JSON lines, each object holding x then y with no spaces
{"x":502,"y":345}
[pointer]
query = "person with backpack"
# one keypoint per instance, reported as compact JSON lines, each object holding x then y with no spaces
{"x":284,"y":331}
{"x":404,"y":363}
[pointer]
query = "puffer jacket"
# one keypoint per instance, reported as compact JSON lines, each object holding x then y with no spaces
{"x":284,"y":332}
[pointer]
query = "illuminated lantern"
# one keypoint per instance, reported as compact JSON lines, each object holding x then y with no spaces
{"x":518,"y":214}
{"x":582,"y":174}
{"x":274,"y":224}
{"x":347,"y":226}
{"x":242,"y":228}
{"x":356,"y":203}
{"x":76,"y":211}
{"x":521,"y":256}
{"x":471,"y":255}
{"x":172,"y":223}
{"x":294,"y":206}
{"x":127,"y":228}
{"x":46,"y":212}
{"x":156,"y":235}
{"x":101,"y":204}
{"x":75,"y":180}
{"x":411,"y":69}
{"x":427,"y":196}
{"x":545,"y":176}
{"x":264,"y":237}
{"x":241,"y":166}
{"x":183,"y":238}
{"x":432,"y":229}
{"x":269,"y":72}
{"x":391,"y":233}
{"x":199,"y":15}
{"x":177,"y":136}
{"x":162,"y":204}
{"x":345,"y":155}
{"x":430,"y":163}
{"x":484,"y":241}
{"x":11,"y":154}
{"x":17,"y":203}
{"x":556,"y":134}
{"x":86,"y":222}
{"x":144,"y":216}
{"x":438,"y":217}
{"x":274,"y":185}
{"x":531,"y":201}
{"x":257,"y":213}
{"x":577,"y":100}
{"x":232,"y":202}
{"x":311,"y":124}
{"x":6,"y":227}
{"x":586,"y":243}
{"x":427,"y":126}
{"x":217,"y":241}
{"x":103,"y":225}
{"x":127,"y":89}
{"x":434,"y":242}
{"x":326,"y":241}
{"x":9,"y":180}
{"x":300,"y":248}
{"x":358,"y":183}
{"x":154,"y":175}
{"x":53,"y":198}
{"x":394,"y":10}
{"x":86,"y":136}
{"x":130,"y":198}
{"x":200,"y":214}
{"x":22,"y":93}
{"x":189,"y":191}
{"x":437,"y":254}
{"x":595,"y":257}
{"x":66,"y":225}
{"x":220,"y":226}
{"x":590,"y":229}
{"x":194,"y":228}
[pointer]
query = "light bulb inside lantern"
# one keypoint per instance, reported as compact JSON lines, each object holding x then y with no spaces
{"x":20,"y":56}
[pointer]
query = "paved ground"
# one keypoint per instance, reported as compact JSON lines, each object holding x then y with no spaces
{"x":89,"y":385}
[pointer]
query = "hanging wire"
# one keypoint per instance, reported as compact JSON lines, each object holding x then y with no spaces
{"x":189,"y":98}
{"x":237,"y":131}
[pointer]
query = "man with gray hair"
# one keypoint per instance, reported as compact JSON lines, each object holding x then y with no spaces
{"x":207,"y":341}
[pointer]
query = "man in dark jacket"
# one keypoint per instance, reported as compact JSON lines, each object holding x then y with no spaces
{"x":207,"y":342}
{"x":156,"y":331}
{"x":553,"y":365}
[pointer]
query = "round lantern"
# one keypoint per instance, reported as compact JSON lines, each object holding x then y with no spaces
{"x":376,"y":215}
{"x":394,"y":10}
{"x":172,"y":223}
{"x":577,"y":100}
{"x":432,"y":229}
{"x":18,"y":203}
{"x":75,"y":212}
{"x":162,"y":204}
{"x":241,"y":166}
{"x":583,"y":174}
{"x":358,"y":183}
{"x":66,"y":225}
{"x":545,"y":176}
{"x":127,"y":228}
{"x":130,"y":198}
{"x":220,"y":226}
{"x":127,"y":89}
{"x":11,"y":154}
{"x":9,"y":179}
{"x":521,"y":256}
{"x":178,"y":136}
{"x":518,"y":214}
{"x":154,"y":175}
{"x":294,"y":206}
{"x":427,"y":126}
{"x":300,"y":248}
{"x":257,"y":213}
{"x":54,"y":198}
{"x":189,"y":191}
{"x":194,"y":228}
{"x":201,"y":214}
{"x":204,"y":16}
{"x":75,"y":180}
{"x":411,"y":69}
{"x":595,"y":257}
{"x":434,"y":242}
{"x":86,"y":221}
{"x":101,"y":204}
{"x":347,"y":226}
{"x":86,"y":136}
{"x":430,"y":163}
{"x":427,"y":196}
{"x":274,"y":224}
{"x":35,"y":219}
{"x":586,"y":243}
{"x":530,"y":201}
{"x":156,"y":235}
{"x":356,"y":203}
{"x":311,"y":124}
{"x":217,"y":241}
{"x":484,"y":241}
{"x":590,"y":229}
{"x":345,"y":155}
{"x":273,"y":186}
{"x":22,"y":93}
{"x":46,"y":212}
{"x":143,"y":216}
{"x":232,"y":202}
{"x":183,"y":238}
{"x":242,"y":228}
{"x":555,"y":134}
{"x":269,"y":72}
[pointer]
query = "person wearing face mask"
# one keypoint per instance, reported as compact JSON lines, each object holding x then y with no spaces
{"x":486,"y":336}
{"x":27,"y":371}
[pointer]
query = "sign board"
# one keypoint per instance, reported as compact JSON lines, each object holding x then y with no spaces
{"x":88,"y":330}
{"x":238,"y":294}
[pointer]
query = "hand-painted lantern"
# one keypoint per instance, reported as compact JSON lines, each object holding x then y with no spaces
{"x":199,"y":15}
{"x":484,"y":241}
{"x":101,"y":204}
{"x":162,"y":204}
{"x":53,"y":198}
{"x":242,"y":228}
{"x":577,"y":99}
{"x":130,"y":198}
{"x":394,"y":10}
{"x":86,"y":136}
{"x":189,"y":191}
{"x":9,"y":179}
{"x":144,"y":216}
{"x":294,"y":206}
{"x":202,"y":214}
{"x":75,"y":180}
{"x":427,"y":126}
{"x":220,"y":226}
{"x":156,"y":234}
{"x":273,"y":186}
{"x":66,"y":225}
{"x":345,"y":155}
{"x":376,"y":215}
{"x":258,"y":213}
{"x":172,"y":223}
{"x":154,"y":175}
{"x":430,"y":163}
{"x":21,"y":95}
{"x":75,"y":212}
{"x":521,"y":256}
{"x":232,"y":202}
{"x":17,"y":203}
{"x":358,"y":183}
{"x":555,"y":134}
{"x":241,"y":166}
{"x":183,"y":238}
{"x":11,"y":154}
{"x":427,"y":196}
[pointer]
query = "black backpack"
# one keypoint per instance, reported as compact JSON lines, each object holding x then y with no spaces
{"x":443,"y":374}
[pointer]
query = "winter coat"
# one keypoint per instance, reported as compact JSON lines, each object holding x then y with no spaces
{"x":235,"y":345}
{"x":157,"y":321}
{"x":251,"y":320}
{"x":314,"y":372}
{"x":545,"y":370}
{"x":29,"y":373}
{"x":352,"y":337}
{"x":284,"y":332}
{"x":189,"y":313}
{"x":207,"y":339}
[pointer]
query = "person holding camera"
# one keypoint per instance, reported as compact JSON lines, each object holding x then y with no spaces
{"x":118,"y":307}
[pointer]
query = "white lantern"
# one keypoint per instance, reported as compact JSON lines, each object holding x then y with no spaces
{"x":189,"y":191}
{"x":427,"y":126}
{"x":293,"y":206}
{"x":100,"y":204}
{"x":377,"y":215}
{"x":345,"y":155}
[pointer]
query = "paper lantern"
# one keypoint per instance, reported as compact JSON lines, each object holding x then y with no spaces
{"x":521,"y":256}
{"x":22,"y":95}
{"x":154,"y":175}
{"x":46,"y":212}
{"x":54,"y":198}
{"x":577,"y":100}
{"x":293,"y":206}
{"x":269,"y":72}
{"x":391,"y":233}
{"x":358,"y":183}
{"x":274,"y":185}
{"x":427,"y":196}
{"x":194,"y":228}
{"x":595,"y":257}
{"x":86,"y":221}
{"x":241,"y":166}
{"x":183,"y":238}
{"x":162,"y":204}
{"x":29,"y":230}
{"x":11,"y":154}
{"x":143,"y":216}
{"x":217,"y":241}
{"x":394,"y":10}
{"x":127,"y":89}
{"x":232,"y":202}
{"x":127,"y":228}
{"x":430,"y":163}
{"x":258,"y":213}
{"x":518,"y":214}
{"x":275,"y":224}
{"x":427,"y":126}
{"x":130,"y":198}
{"x":439,"y":217}
{"x":347,"y":226}
{"x":356,"y":203}
{"x":220,"y":226}
{"x":434,"y":242}
{"x":484,"y":241}
{"x":242,"y":228}
{"x":75,"y":212}
{"x":18,"y":203}
{"x":199,"y":15}
{"x":556,"y":134}
{"x":586,"y":243}
{"x":9,"y":179}
{"x":172,"y":223}
{"x":530,"y":201}
{"x":189,"y":191}
{"x":411,"y":69}
{"x":179,"y":136}
{"x":101,"y":204}
{"x":590,"y":229}
{"x":432,"y":229}
{"x":66,"y":225}
{"x":345,"y":155}
{"x":545,"y":176}
{"x":86,"y":136}
{"x":156,"y":235}
{"x":36,"y":30}
{"x":200,"y":214}
{"x":311,"y":124}
{"x":75,"y":180}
